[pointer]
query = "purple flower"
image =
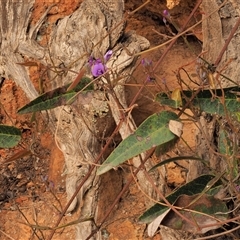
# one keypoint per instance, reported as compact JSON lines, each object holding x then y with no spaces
{"x":166,"y":13}
{"x":97,"y":67}
{"x":107,"y":55}
{"x":143,"y":61}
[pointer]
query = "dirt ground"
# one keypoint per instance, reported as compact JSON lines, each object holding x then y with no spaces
{"x":32,"y":187}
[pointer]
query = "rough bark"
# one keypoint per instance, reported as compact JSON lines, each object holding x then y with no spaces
{"x":15,"y":39}
{"x":216,"y":29}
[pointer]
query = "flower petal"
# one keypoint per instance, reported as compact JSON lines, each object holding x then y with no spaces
{"x":107,"y":55}
{"x":98,"y":69}
{"x":166,"y":13}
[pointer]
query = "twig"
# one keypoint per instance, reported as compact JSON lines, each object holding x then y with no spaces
{"x":6,"y":235}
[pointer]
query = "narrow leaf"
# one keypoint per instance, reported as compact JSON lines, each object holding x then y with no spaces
{"x":152,"y":132}
{"x":153,"y":226}
{"x":55,"y":98}
{"x":214,"y":210}
{"x":194,"y":187}
{"x":9,"y":136}
{"x":77,"y":79}
{"x":216,"y":101}
{"x":18,"y":155}
{"x":28,"y":64}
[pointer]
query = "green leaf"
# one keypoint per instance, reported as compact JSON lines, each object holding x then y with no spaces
{"x":56,"y":97}
{"x":214,"y":210}
{"x":152,"y":132}
{"x":228,"y":147}
{"x":208,"y":101}
{"x":194,"y":187}
{"x":9,"y":136}
{"x":224,"y":143}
